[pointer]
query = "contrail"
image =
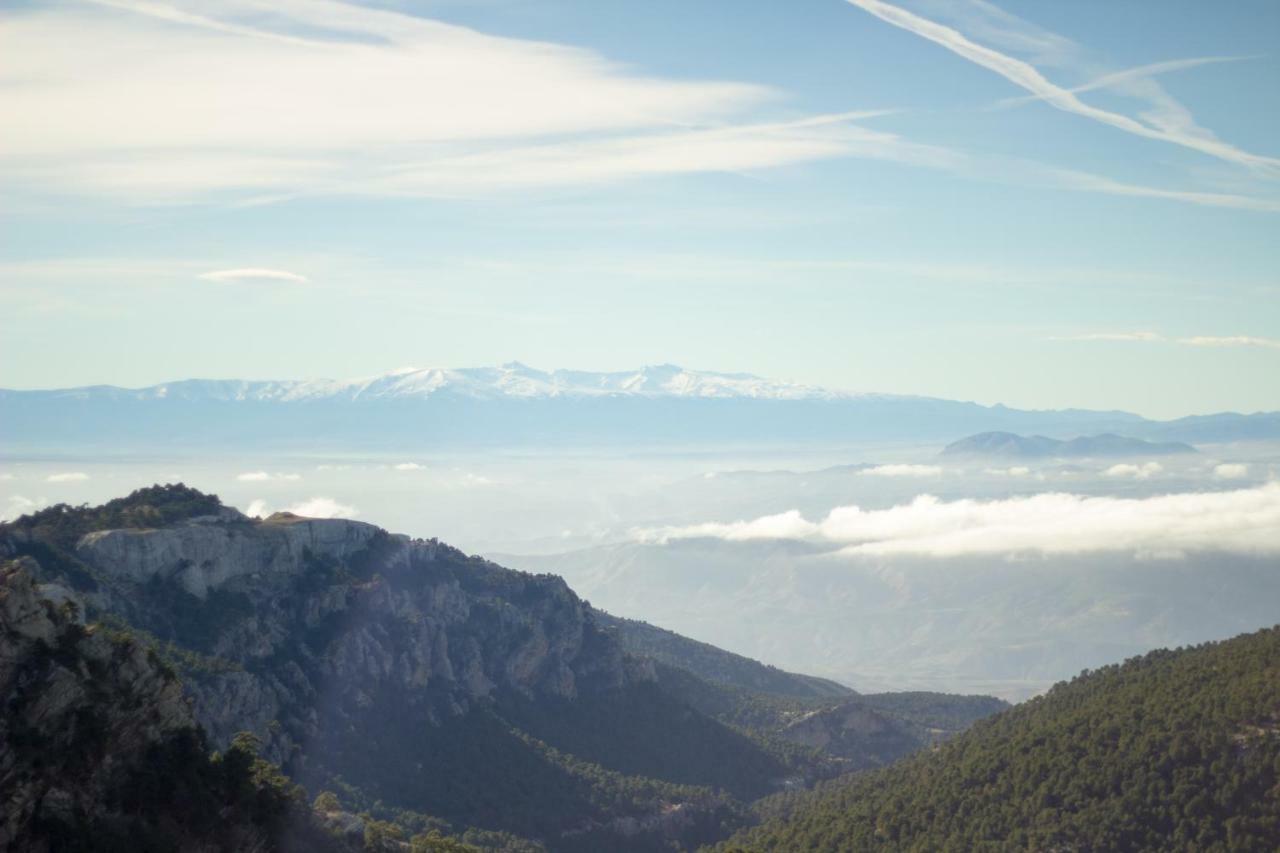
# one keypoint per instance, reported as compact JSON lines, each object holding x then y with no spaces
{"x":1028,"y":77}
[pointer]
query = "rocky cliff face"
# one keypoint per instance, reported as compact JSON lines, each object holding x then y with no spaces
{"x":324,"y":636}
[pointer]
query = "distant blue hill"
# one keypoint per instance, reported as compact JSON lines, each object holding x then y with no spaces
{"x":1010,"y":445}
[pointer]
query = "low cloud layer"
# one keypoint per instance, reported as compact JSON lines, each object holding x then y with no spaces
{"x":1137,"y":472}
{"x":67,"y":477}
{"x":265,"y":476}
{"x":317,"y":507}
{"x":903,"y":471}
{"x":1244,"y":521}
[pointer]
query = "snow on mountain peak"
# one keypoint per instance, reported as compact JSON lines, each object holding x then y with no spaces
{"x":510,"y":380}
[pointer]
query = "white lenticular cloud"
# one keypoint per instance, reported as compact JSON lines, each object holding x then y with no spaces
{"x":322,"y":508}
{"x":903,"y":471}
{"x":409,"y":466}
{"x":263,"y":477}
{"x":1015,"y":471}
{"x":1244,"y":521}
{"x":67,"y":477}
{"x":254,"y":274}
{"x":1137,"y":472}
{"x":1231,"y":471}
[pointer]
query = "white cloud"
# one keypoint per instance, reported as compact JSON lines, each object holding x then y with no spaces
{"x":330,"y":97}
{"x":1231,"y":341}
{"x":902,"y":471}
{"x":6,"y":476}
{"x":409,"y":466}
{"x":263,"y":477}
{"x":1072,"y":179}
{"x":118,"y":99}
{"x":318,"y":507}
{"x":323,"y":508}
{"x":1166,"y":120}
{"x":1113,"y":336}
{"x":1015,"y":471}
{"x":1137,"y":472}
{"x":253,"y":274}
{"x":1231,"y":471}
{"x":67,"y":477}
{"x":1245,"y":521}
{"x":1193,"y":341}
{"x":787,"y":525}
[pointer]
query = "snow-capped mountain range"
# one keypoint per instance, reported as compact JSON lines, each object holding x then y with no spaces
{"x":518,"y":406}
{"x":485,"y":383}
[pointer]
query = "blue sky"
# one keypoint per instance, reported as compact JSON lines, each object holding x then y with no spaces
{"x":1041,"y":204}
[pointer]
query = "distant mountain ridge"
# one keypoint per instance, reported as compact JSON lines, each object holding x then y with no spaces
{"x":1011,"y":445}
{"x":516,"y":405}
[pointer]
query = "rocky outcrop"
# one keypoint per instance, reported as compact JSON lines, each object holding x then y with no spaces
{"x":303,"y":630}
{"x":862,"y":736}
{"x":208,"y":551}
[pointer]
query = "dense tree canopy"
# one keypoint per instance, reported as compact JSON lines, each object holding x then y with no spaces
{"x":1177,"y":750}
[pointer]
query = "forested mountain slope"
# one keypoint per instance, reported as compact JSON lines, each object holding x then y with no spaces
{"x":715,"y":664}
{"x":1176,"y":750}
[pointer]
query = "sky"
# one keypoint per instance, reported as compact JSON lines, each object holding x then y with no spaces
{"x":1041,"y":204}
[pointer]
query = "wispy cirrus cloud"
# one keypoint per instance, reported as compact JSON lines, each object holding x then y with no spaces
{"x":1245,"y":521}
{"x":1112,"y":336}
{"x":1231,"y":341}
{"x":1164,"y":120}
{"x":1192,"y":341}
{"x":324,"y":96}
{"x":1128,"y":75}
